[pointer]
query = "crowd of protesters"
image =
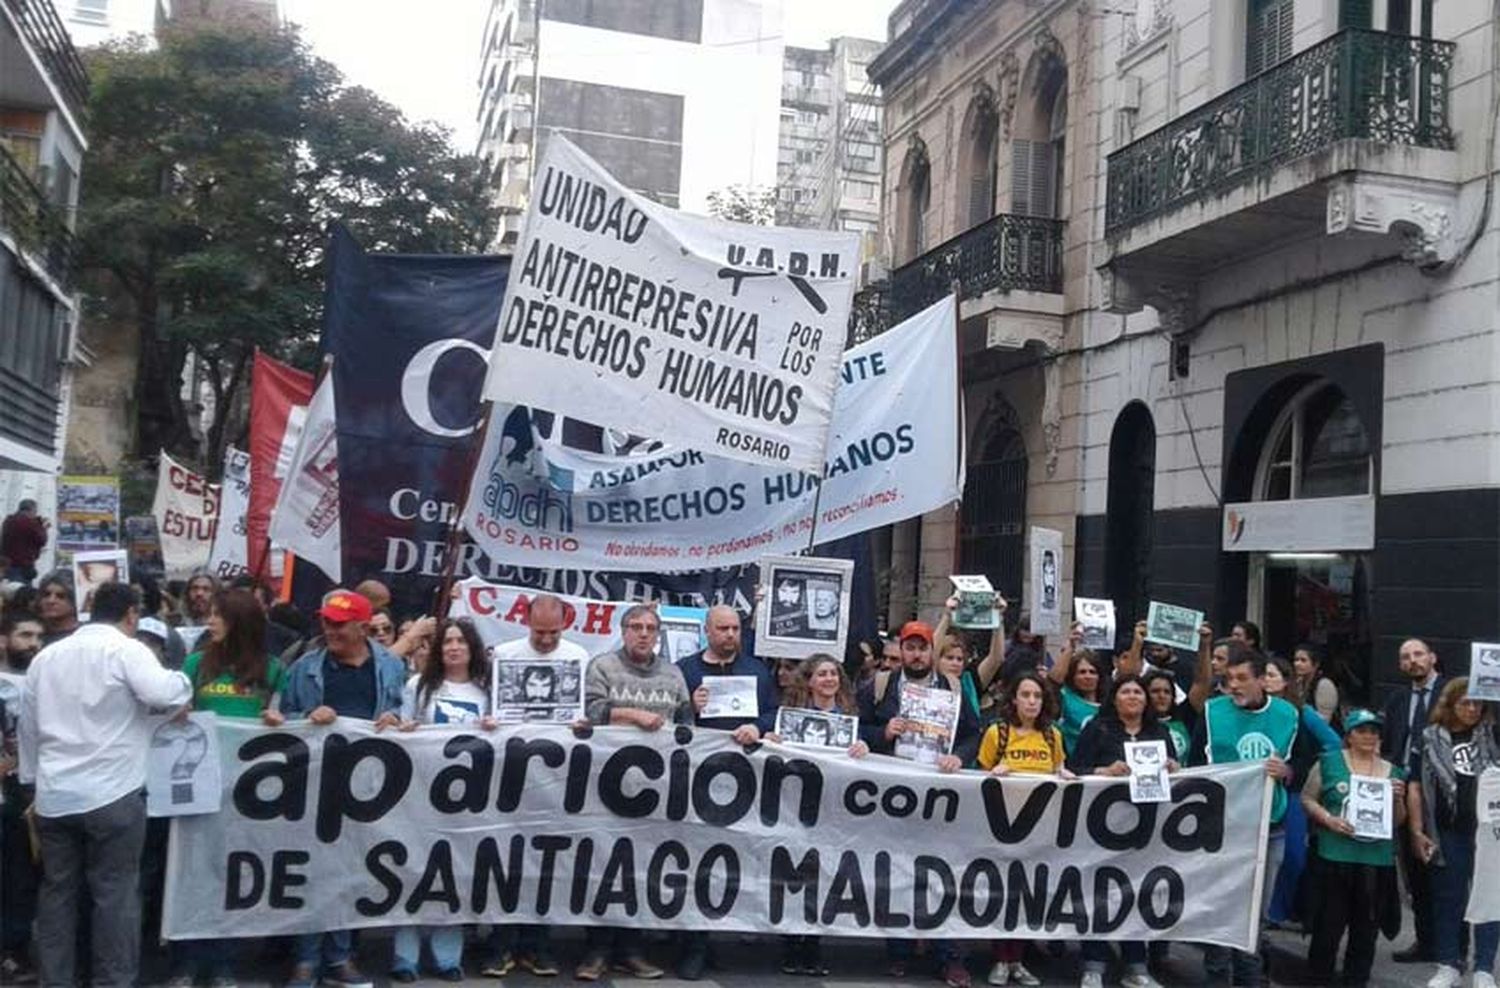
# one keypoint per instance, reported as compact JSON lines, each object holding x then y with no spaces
{"x":77,"y":852}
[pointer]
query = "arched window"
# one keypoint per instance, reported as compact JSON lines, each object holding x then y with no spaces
{"x":981,"y":159}
{"x":992,"y":519}
{"x":1317,"y":448}
{"x":914,"y":200}
{"x":1129,"y":514}
{"x":1037,"y":148}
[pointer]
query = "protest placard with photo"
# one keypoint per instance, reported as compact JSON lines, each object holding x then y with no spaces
{"x":1149,"y":781}
{"x":535,"y":690}
{"x":978,"y":603}
{"x":805,"y":608}
{"x":705,"y":334}
{"x":681,"y":631}
{"x":931,"y":717}
{"x":1369,"y":807}
{"x":88,"y":512}
{"x":94,"y":568}
{"x":1174,"y":626}
{"x":182,"y":766}
{"x":1484,"y":671}
{"x":816,"y":728}
{"x":730,"y":696}
{"x":1098,"y":620}
{"x":1045,"y":587}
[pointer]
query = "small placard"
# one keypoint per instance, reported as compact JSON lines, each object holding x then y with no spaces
{"x":730,"y":696}
{"x":1149,"y":781}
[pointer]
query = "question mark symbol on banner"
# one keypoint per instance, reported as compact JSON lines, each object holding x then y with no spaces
{"x":194,"y":747}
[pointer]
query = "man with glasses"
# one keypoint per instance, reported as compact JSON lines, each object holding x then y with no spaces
{"x":631,"y":687}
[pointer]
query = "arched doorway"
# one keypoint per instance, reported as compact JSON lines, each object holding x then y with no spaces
{"x":1129,"y":514}
{"x":992,"y":519}
{"x":1316,"y":448}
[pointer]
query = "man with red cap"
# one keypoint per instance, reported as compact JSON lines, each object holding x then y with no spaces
{"x":350,"y":676}
{"x":880,"y":724}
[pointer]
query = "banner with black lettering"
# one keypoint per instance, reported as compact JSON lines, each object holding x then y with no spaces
{"x":338,"y":827}
{"x":710,"y":335}
{"x":894,"y":452}
{"x":230,"y":556}
{"x":187,"y":516}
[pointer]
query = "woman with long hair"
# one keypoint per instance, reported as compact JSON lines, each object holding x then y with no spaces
{"x":452,"y":688}
{"x":979,"y":677}
{"x":1081,"y":679}
{"x":1314,"y":683}
{"x":1161,"y":695}
{"x":1458,"y":744}
{"x":1024,"y":740}
{"x":232,"y":676}
{"x":820,"y":684}
{"x":1126,"y":715}
{"x":1356,"y":888}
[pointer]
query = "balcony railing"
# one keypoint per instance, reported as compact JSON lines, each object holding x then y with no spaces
{"x":36,"y":225}
{"x":1004,"y":253}
{"x":43,"y":30}
{"x":1357,"y":84}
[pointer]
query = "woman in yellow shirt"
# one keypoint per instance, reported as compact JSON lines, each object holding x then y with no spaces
{"x":1023,"y":741}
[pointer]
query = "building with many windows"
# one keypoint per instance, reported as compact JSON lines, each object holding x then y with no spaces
{"x":676,"y":98}
{"x":43,"y":100}
{"x":1237,"y":336}
{"x":828,"y":168}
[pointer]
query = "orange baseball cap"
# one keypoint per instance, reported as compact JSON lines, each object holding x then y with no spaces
{"x":917,"y":629}
{"x":341,"y":606}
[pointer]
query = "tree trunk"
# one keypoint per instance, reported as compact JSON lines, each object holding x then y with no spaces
{"x":226,"y":410}
{"x":161,"y":419}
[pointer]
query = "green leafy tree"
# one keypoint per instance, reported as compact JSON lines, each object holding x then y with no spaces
{"x":217,"y":162}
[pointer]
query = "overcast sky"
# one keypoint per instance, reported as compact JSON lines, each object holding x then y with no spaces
{"x":424,"y":56}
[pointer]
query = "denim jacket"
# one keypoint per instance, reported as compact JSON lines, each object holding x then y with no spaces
{"x":304,"y":683}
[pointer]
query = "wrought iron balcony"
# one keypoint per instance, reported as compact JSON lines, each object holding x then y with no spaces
{"x":43,"y":31}
{"x":1357,"y":84}
{"x":35,"y":223}
{"x":1005,"y":253}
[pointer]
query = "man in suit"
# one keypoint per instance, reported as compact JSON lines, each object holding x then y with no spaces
{"x":1406,"y":712}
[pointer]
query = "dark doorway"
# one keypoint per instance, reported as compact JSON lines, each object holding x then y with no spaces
{"x":1132,"y":492}
{"x":992,"y":520}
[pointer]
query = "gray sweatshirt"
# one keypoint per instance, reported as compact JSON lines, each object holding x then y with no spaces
{"x":615,"y":681}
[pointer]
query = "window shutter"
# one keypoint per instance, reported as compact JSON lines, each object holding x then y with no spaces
{"x":1032,"y":176}
{"x":1270,"y":39}
{"x":981,"y":199}
{"x":1283,"y":33}
{"x":1355,"y":13}
{"x":1020,"y":177}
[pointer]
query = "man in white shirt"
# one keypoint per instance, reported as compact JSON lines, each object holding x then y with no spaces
{"x":546,"y":617}
{"x":85,"y":738}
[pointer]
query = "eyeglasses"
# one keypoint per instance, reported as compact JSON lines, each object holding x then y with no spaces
{"x":642,"y":627}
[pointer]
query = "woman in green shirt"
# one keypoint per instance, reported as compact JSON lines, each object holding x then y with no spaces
{"x":1356,"y":876}
{"x":1079,"y":674}
{"x":232,"y":675}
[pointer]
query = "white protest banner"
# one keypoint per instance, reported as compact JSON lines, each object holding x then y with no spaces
{"x":339,"y":827}
{"x":893,"y":454}
{"x":182,"y":769}
{"x":231,"y":552}
{"x":499,"y":615}
{"x":187,"y":515}
{"x":306,"y":517}
{"x":1046,"y":581}
{"x":712,"y":335}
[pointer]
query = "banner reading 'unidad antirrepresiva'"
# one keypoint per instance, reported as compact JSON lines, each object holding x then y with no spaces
{"x":339,"y":827}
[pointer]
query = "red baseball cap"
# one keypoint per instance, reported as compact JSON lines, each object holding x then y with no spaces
{"x":341,"y":606}
{"x":917,"y":629}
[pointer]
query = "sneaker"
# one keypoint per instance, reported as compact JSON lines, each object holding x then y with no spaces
{"x":500,"y":966}
{"x":592,"y":968}
{"x":303,"y":976}
{"x":1092,"y":979}
{"x":1139,"y":980}
{"x":405,"y":976}
{"x":540,"y":964}
{"x":1021,"y":976}
{"x":896,"y":969}
{"x":452,"y":974}
{"x":1446,"y":977}
{"x":956,"y":975}
{"x":346,"y":975}
{"x":1483,"y":979}
{"x":999,"y":974}
{"x":638,"y":967}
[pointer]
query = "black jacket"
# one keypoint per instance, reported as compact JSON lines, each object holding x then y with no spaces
{"x":874,"y":716}
{"x":1102,"y":742}
{"x":1398,"y":723}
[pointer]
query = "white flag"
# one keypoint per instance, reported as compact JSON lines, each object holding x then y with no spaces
{"x":306,"y":517}
{"x":231,"y":553}
{"x":187,"y":513}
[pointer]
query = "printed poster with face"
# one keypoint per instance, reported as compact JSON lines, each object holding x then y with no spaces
{"x":1484,"y":671}
{"x":931,"y":717}
{"x":1098,"y":620}
{"x":1149,"y":781}
{"x":681,"y":631}
{"x":531,"y":690}
{"x":1369,"y":807}
{"x":1045,"y":589}
{"x":816,"y":728}
{"x":1176,"y":627}
{"x":93,"y":569}
{"x":804,"y":608}
{"x":977,"y":603}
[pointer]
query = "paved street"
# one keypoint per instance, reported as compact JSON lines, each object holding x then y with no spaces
{"x":746,"y":962}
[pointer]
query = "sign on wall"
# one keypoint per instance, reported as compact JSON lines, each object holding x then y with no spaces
{"x":1315,"y":524}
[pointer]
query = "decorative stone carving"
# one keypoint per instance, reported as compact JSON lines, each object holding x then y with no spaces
{"x":1046,"y":47}
{"x":1150,"y":19}
{"x":1421,"y":212}
{"x":1010,"y":89}
{"x":982,"y":103}
{"x":1052,"y":413}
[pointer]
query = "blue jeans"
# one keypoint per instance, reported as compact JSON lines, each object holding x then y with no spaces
{"x":1096,"y":955}
{"x":215,"y":957}
{"x":445,"y":943}
{"x":1219,"y":962}
{"x":1450,"y":897}
{"x":326,"y":949}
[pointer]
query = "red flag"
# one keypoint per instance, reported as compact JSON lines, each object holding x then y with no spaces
{"x":279,"y":395}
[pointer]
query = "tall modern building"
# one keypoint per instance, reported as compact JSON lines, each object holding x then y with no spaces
{"x":828,"y":167}
{"x":43,"y":99}
{"x":93,"y":22}
{"x":676,"y":98}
